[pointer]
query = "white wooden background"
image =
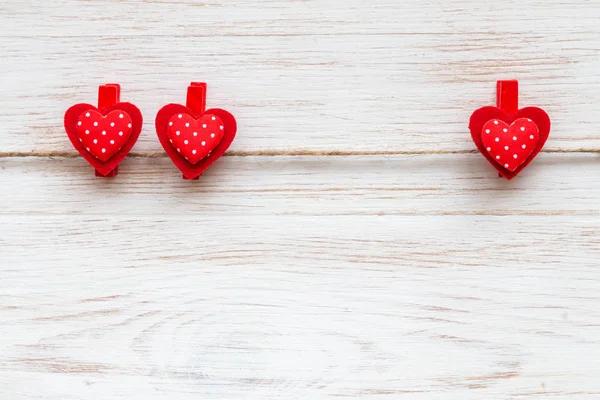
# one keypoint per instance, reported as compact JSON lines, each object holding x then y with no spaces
{"x":414,"y":276}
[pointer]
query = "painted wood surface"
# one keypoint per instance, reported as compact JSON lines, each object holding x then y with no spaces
{"x":415,"y":276}
{"x":316,"y":75}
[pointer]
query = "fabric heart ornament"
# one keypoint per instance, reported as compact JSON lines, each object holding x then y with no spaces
{"x":195,"y":138}
{"x":103,"y":137}
{"x":509,"y":142}
{"x":194,"y":141}
{"x":510,"y":145}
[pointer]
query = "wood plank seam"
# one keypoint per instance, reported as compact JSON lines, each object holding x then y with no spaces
{"x":285,"y":153}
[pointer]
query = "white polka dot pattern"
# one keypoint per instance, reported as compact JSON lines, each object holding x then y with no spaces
{"x":510,"y":145}
{"x":195,"y":139}
{"x":104,"y":136}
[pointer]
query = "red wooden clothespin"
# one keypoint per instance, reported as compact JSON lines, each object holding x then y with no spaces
{"x":196,"y":101}
{"x":507,"y":98}
{"x":507,"y":94}
{"x":108,"y":96}
{"x":196,"y":97}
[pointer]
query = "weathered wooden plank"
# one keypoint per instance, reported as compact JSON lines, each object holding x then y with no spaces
{"x":319,"y":306}
{"x":335,"y":89}
{"x":417,"y":277}
{"x":212,"y":18}
{"x":555,"y":184}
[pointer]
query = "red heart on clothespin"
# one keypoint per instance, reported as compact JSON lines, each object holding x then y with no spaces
{"x":104,"y":135}
{"x":509,"y":137}
{"x":195,"y":138}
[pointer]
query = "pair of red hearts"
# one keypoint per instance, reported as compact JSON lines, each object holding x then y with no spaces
{"x":193,"y":138}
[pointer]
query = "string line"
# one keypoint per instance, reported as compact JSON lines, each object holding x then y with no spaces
{"x":285,"y":153}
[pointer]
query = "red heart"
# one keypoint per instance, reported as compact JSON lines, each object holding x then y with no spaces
{"x":483,"y":116}
{"x":103,"y":162}
{"x":103,"y":136}
{"x":510,"y":145}
{"x":195,"y":138}
{"x":191,"y":169}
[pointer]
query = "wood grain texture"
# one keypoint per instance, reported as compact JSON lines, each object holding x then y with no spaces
{"x":301,"y":307}
{"x":379,"y":74}
{"x":366,"y":277}
{"x":310,"y":186}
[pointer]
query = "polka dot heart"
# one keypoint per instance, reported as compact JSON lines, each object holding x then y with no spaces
{"x":510,"y":146}
{"x":103,"y":136}
{"x":195,"y":139}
